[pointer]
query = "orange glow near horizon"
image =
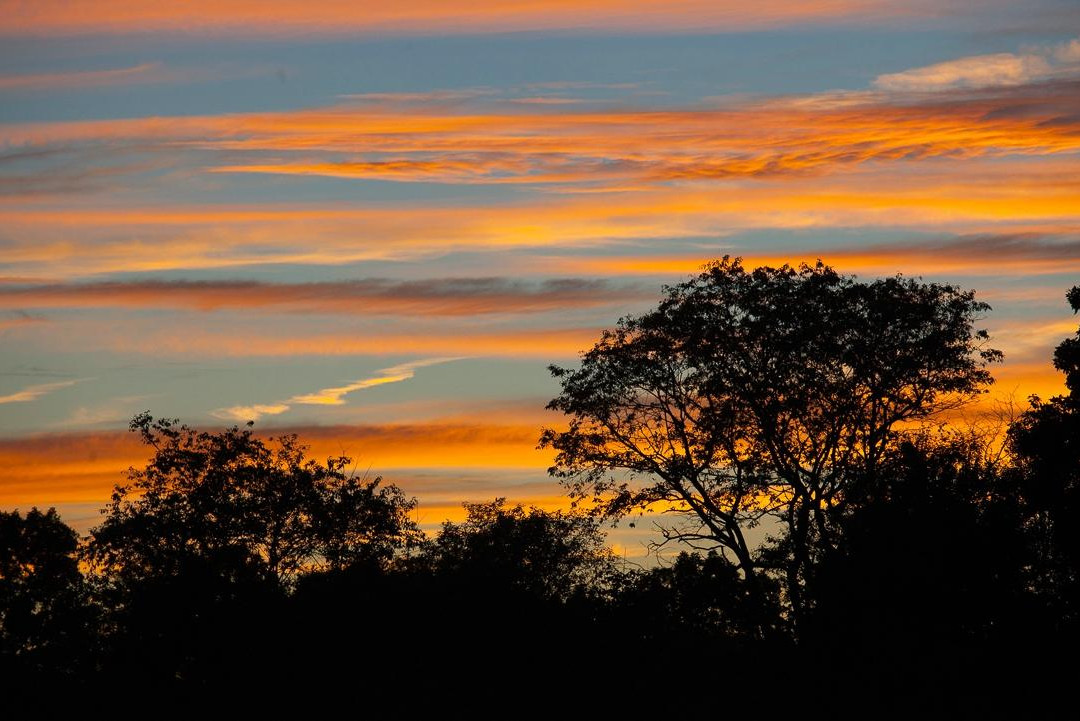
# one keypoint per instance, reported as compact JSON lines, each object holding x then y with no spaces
{"x":83,"y":467}
{"x":290,"y":17}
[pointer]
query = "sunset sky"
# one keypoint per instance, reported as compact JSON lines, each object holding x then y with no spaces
{"x":376,"y":224}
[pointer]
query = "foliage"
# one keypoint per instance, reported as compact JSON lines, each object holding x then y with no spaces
{"x":43,"y":621}
{"x":548,"y":555}
{"x":771,"y":392}
{"x":1045,"y":442}
{"x":228,"y":500}
{"x":931,"y":552}
{"x":698,"y":598}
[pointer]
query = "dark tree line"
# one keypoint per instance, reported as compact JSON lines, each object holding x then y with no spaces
{"x":842,"y":548}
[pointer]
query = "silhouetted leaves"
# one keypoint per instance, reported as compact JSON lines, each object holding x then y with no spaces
{"x":231,"y":501}
{"x":213,"y":533}
{"x":765,"y":393}
{"x":44,"y":618}
{"x":1045,"y":441}
{"x":548,"y":555}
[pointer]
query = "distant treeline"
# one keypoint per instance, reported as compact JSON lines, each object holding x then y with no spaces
{"x":913,"y":569}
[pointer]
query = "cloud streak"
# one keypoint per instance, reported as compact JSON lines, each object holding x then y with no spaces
{"x":369,"y":296}
{"x":333,"y":396}
{"x":132,"y":75}
{"x":985,"y":71}
{"x":394,"y":374}
{"x":1017,"y":254}
{"x":32,"y":393}
{"x":153,"y":341}
{"x":249,"y":413}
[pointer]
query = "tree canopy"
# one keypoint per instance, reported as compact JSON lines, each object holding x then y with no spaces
{"x":1045,"y":442}
{"x":42,"y":618}
{"x":233,"y":500}
{"x":549,"y":555}
{"x":770,"y":392}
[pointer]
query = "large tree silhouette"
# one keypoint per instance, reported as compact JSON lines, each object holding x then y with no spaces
{"x":198,"y":552}
{"x":233,"y":500}
{"x":1046,"y":443}
{"x":772,"y":392}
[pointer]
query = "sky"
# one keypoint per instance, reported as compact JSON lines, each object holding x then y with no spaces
{"x":377,"y":224}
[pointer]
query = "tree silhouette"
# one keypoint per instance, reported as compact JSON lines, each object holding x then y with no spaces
{"x":1045,"y":441}
{"x":699,"y":600}
{"x":500,"y":596}
{"x":199,"y":551}
{"x":548,"y":555}
{"x":770,"y":393}
{"x":925,"y":601}
{"x":44,"y":616}
{"x":230,"y":500}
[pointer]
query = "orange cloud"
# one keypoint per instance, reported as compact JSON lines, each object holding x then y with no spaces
{"x":956,"y":197}
{"x":277,"y":17}
{"x":855,"y":159}
{"x":401,"y":141}
{"x":542,"y":344}
{"x":988,"y":255}
{"x":372,"y":296}
{"x":74,"y":468}
{"x":52,"y":469}
{"x":799,"y":130}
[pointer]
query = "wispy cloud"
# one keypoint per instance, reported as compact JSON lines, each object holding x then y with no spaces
{"x":113,"y":411}
{"x":249,"y":413}
{"x":151,"y":340}
{"x":369,"y":296}
{"x":135,"y":74}
{"x":32,"y":393}
{"x":972,"y":72}
{"x":394,"y":374}
{"x":333,"y":396}
{"x":984,"y":71}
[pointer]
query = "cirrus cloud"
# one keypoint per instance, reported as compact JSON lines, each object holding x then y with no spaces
{"x":32,"y":393}
{"x":333,"y":396}
{"x":984,"y":71}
